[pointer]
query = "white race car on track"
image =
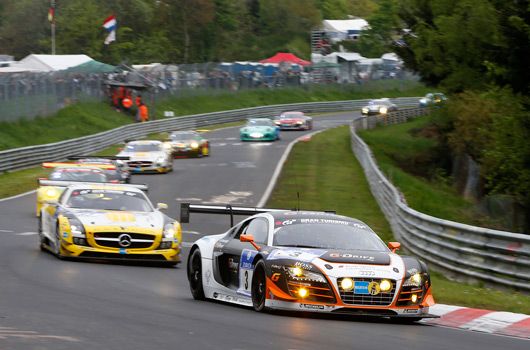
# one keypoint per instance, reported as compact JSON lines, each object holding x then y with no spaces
{"x":147,"y":156}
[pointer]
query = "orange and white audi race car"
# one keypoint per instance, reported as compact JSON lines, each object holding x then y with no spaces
{"x":306,"y":261}
{"x":109,"y":222}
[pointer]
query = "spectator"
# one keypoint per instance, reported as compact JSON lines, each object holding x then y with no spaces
{"x":144,"y":116}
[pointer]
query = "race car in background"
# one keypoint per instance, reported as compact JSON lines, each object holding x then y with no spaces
{"x":64,"y":174}
{"x":118,"y":172}
{"x":260,"y":129}
{"x":147,"y":156}
{"x":294,"y":121}
{"x":379,"y":106}
{"x":432,"y":98}
{"x":306,"y":261}
{"x":188,"y":144}
{"x":109,"y":222}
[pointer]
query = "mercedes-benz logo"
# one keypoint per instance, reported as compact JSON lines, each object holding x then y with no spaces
{"x":125,"y":240}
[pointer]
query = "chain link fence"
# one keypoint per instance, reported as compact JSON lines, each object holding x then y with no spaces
{"x":31,"y":94}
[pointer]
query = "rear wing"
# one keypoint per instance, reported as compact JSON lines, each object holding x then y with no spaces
{"x":79,"y":165}
{"x":187,"y":208}
{"x":97,"y":185}
{"x":100,"y":157}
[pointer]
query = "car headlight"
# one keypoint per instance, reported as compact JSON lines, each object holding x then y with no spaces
{"x":416,"y":280}
{"x":423,"y":100}
{"x":383,"y":110}
{"x":365,"y":110}
{"x":76,"y":228}
{"x":301,"y":274}
{"x":52,"y":193}
{"x":194,"y":145}
{"x":169,"y":231}
{"x":160,"y":160}
{"x":169,"y":236}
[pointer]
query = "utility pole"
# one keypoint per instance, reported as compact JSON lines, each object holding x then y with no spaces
{"x":51,"y":17}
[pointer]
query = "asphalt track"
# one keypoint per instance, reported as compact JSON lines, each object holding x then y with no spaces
{"x":46,"y":303}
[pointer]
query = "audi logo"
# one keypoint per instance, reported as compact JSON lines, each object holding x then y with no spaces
{"x":125,"y":240}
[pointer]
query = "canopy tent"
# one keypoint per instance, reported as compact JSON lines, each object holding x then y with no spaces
{"x":93,"y":67}
{"x":286,"y":57}
{"x":49,"y":63}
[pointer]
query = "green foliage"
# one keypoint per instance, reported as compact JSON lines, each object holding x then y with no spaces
{"x":333,"y":9}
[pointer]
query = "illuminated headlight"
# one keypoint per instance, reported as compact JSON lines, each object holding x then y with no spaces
{"x":301,"y":274}
{"x":299,"y":123}
{"x":278,"y":123}
{"x":52,"y":193}
{"x":160,"y":160}
{"x":120,"y":162}
{"x":169,"y":231}
{"x":386,"y":286}
{"x":194,"y":145}
{"x":256,"y":135}
{"x":414,"y":298}
{"x":423,"y":100}
{"x":365,"y":110}
{"x":76,"y":228}
{"x":302,"y":292}
{"x":415,"y":280}
{"x":167,"y":145}
{"x":346,"y":284}
{"x":383,"y":110}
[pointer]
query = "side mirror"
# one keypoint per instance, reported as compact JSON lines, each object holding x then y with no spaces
{"x":161,"y":206}
{"x":249,"y":238}
{"x":394,"y":246}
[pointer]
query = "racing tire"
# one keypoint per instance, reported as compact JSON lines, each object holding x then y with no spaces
{"x":57,"y":245}
{"x":194,"y":270}
{"x":42,"y":239}
{"x":259,"y":286}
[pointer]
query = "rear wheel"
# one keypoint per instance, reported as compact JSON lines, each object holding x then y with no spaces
{"x":195,"y":275}
{"x":259,"y":286}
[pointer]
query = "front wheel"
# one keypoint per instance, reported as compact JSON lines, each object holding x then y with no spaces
{"x":195,"y":275}
{"x":259,"y":286}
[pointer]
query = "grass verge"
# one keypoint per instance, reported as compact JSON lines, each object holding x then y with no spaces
{"x":327,"y":176}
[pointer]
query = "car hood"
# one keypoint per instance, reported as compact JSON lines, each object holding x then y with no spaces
{"x":257,"y":128}
{"x":142,"y":155}
{"x":93,"y":217}
{"x":357,"y":257}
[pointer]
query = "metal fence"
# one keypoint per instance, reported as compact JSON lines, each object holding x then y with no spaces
{"x":493,"y":256}
{"x":468,"y":252}
{"x":28,"y":95}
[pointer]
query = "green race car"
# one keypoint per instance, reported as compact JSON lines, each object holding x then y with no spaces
{"x":260,"y":129}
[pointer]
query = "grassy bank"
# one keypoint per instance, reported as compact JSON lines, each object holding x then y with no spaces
{"x":328,"y":176}
{"x":84,"y":119}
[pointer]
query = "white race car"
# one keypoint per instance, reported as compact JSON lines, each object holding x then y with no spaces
{"x":306,"y":261}
{"x":108,"y":222}
{"x":147,"y":156}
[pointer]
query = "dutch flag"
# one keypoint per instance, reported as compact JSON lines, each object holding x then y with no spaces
{"x":110,"y":24}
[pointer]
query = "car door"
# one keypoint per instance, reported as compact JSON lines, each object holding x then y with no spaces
{"x":230,"y":255}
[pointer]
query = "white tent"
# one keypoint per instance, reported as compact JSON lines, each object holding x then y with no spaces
{"x":48,"y":63}
{"x":338,"y":30}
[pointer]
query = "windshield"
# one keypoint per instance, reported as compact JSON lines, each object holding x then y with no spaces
{"x":328,"y":236}
{"x":184,"y":137}
{"x":291,"y":115}
{"x":259,"y":123}
{"x":381,"y":102}
{"x":78,"y":174}
{"x":109,"y":200}
{"x":151,"y":147}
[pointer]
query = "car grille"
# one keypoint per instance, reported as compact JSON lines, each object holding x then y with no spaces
{"x":110,"y":256}
{"x":381,"y":299}
{"x":112,"y":240}
{"x":139,"y":163}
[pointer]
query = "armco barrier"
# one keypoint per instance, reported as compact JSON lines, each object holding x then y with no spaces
{"x":27,"y":157}
{"x":469,"y":252}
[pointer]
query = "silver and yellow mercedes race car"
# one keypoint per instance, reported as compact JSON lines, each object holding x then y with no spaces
{"x":109,"y":222}
{"x":306,"y":261}
{"x":147,"y":156}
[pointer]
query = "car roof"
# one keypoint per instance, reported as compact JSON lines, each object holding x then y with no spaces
{"x":104,"y":186}
{"x":321,"y":215}
{"x":79,"y":168}
{"x":145,"y":142}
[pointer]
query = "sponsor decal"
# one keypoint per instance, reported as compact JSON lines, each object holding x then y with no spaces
{"x":373,"y":288}
{"x":302,"y":265}
{"x":311,"y":306}
{"x":124,"y":251}
{"x":232,"y":265}
{"x":291,"y":213}
{"x":329,"y":267}
{"x":366,"y":273}
{"x":396,"y":270}
{"x":275,"y":277}
{"x":410,"y":311}
{"x":353,"y":256}
{"x":324,"y":221}
{"x":412,"y":271}
{"x":300,"y":254}
{"x":274,"y":266}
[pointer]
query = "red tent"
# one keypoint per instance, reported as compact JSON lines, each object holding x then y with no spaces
{"x":285,"y":57}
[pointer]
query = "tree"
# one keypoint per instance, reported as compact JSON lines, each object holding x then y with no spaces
{"x":333,"y":9}
{"x":361,"y":8}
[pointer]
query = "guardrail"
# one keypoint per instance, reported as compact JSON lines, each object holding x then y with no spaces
{"x":501,"y":258}
{"x":33,"y":156}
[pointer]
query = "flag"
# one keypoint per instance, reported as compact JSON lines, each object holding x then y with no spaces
{"x":51,"y":16}
{"x":111,"y":37}
{"x":110,"y":23}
